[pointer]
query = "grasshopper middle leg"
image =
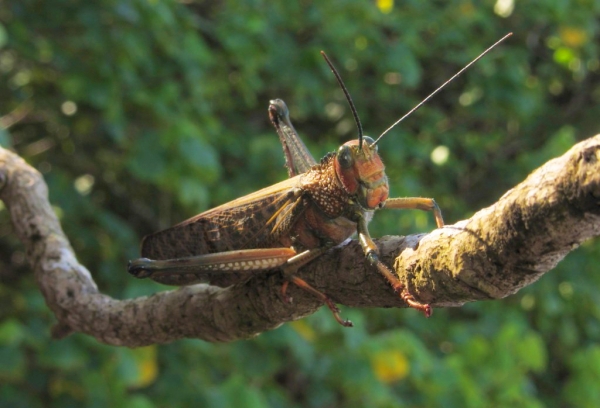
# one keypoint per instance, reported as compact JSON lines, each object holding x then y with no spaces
{"x":416,"y":203}
{"x":292,"y":266}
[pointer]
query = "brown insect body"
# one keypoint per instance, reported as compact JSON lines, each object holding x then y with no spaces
{"x":312,"y":210}
{"x":286,"y":225}
{"x":334,"y":199}
{"x":225,"y":228}
{"x":289,"y":224}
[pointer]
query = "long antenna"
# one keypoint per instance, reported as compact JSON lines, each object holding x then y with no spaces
{"x":443,"y":85}
{"x":348,"y":98}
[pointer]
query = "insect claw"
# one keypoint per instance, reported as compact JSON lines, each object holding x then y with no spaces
{"x":320,"y":295}
{"x":346,"y":323}
{"x":336,"y":313}
{"x":411,"y":302}
{"x":428,"y":311}
{"x":286,"y":298}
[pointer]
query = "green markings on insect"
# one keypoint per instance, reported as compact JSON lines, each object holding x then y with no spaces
{"x":287,"y":225}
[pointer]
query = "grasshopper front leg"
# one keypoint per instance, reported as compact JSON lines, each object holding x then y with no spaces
{"x":416,"y":203}
{"x":372,"y":254}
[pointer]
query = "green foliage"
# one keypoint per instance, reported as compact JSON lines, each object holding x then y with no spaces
{"x":140,"y":113}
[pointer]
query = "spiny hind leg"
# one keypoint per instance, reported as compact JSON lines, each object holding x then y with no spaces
{"x":297,"y":157}
{"x":189,"y":270}
{"x":289,"y":270}
{"x":194,"y":269}
{"x":371,"y":253}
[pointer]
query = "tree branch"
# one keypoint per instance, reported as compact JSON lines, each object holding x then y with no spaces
{"x":491,"y":255}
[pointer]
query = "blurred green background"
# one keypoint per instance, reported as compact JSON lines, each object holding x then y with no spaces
{"x":141,"y":113}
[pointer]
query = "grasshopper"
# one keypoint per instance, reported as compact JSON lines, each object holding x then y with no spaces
{"x":289,"y":224}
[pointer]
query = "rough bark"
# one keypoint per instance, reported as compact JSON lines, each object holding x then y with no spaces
{"x":493,"y":254}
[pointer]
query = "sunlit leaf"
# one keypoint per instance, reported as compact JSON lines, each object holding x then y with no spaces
{"x":390,"y":365}
{"x":146,"y":361}
{"x":11,"y":332}
{"x":304,"y":330}
{"x":573,"y":36}
{"x":385,"y":6}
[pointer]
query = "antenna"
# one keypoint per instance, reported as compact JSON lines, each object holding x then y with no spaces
{"x":348,"y":98}
{"x":443,"y":85}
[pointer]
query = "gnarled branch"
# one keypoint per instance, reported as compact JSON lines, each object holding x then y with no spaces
{"x":491,"y":255}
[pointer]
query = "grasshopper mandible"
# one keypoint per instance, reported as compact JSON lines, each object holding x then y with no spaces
{"x":292,"y":222}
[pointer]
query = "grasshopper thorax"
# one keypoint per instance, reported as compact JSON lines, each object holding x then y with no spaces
{"x":361,"y":173}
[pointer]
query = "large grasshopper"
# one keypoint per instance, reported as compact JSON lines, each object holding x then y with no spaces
{"x":290,"y":223}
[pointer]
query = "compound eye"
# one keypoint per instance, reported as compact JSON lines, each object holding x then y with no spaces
{"x":344,"y":157}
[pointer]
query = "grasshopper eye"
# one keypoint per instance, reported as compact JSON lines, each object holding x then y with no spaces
{"x":344,"y":157}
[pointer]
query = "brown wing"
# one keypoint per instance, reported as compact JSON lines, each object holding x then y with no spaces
{"x":244,"y":223}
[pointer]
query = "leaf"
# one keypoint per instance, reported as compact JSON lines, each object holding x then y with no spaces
{"x":195,"y":152}
{"x":390,"y":365}
{"x":141,"y":366}
{"x":148,"y":161}
{"x":304,"y":330}
{"x":3,"y":36}
{"x":12,"y":363}
{"x":241,"y":394}
{"x":63,"y":355}
{"x":532,"y":351}
{"x":192,"y":193}
{"x":12,"y":332}
{"x":5,"y":140}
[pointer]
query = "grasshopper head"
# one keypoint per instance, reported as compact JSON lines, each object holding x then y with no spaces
{"x":361,"y":172}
